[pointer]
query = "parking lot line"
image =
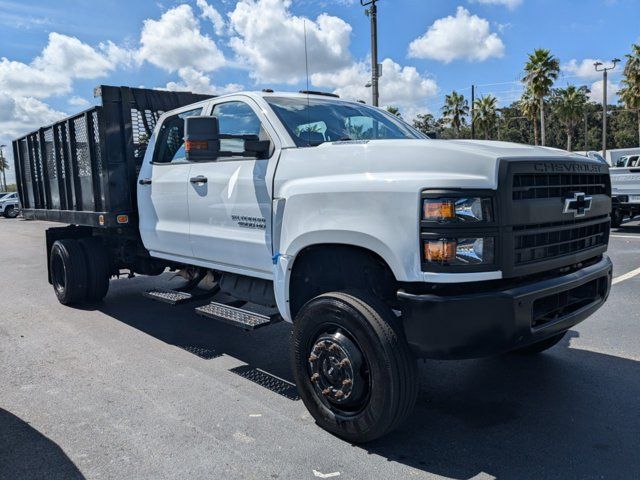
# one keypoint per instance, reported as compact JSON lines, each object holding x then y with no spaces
{"x":637,"y":237}
{"x":626,"y":276}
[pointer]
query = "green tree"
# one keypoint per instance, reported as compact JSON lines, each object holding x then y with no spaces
{"x":455,"y":111}
{"x":630,"y":92}
{"x":425,"y":122}
{"x":485,"y":114}
{"x":569,"y":106}
{"x":541,"y":70}
{"x":394,"y":111}
{"x":529,"y":107}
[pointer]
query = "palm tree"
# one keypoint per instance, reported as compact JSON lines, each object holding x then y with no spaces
{"x":4,"y":166}
{"x":541,"y":71}
{"x":485,"y":114}
{"x":529,"y":106}
{"x":570,"y":103}
{"x":630,"y":92}
{"x":455,"y":109}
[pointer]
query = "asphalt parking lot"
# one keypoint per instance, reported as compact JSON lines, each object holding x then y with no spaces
{"x":133,"y":389}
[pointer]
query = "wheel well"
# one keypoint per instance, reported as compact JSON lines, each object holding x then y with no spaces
{"x":320,"y":269}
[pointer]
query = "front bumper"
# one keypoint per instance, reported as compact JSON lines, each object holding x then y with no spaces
{"x":490,"y":323}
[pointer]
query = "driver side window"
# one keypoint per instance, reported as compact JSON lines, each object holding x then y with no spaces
{"x":170,"y":143}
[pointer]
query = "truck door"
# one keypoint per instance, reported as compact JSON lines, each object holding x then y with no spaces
{"x":162,"y":191}
{"x":230,"y":198}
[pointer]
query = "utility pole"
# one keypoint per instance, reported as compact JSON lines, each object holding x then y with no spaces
{"x":372,"y":12}
{"x":4,"y":176}
{"x":605,"y":73}
{"x":473,"y":111}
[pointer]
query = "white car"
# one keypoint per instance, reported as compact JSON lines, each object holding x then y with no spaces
{"x":378,"y":244}
{"x":9,"y":205}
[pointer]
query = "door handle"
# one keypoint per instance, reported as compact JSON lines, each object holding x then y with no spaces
{"x":199,"y":179}
{"x":145,"y":181}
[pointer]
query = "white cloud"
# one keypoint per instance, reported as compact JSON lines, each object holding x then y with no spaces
{"x":510,"y":4}
{"x":69,"y":56}
{"x":463,"y":36}
{"x":213,"y":16}
{"x":585,"y":68}
{"x":174,"y":41}
{"x":197,"y":82}
{"x":20,"y":115}
{"x":119,"y":56}
{"x":53,"y":71}
{"x":76,"y":101}
{"x":402,"y":87}
{"x":270,"y":40}
{"x":612,"y":92}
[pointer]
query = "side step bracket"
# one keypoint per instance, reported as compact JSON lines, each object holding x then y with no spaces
{"x":239,"y":317}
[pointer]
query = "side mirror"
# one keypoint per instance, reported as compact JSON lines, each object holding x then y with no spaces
{"x":201,"y":138}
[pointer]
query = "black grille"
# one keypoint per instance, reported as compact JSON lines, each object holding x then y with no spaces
{"x":542,"y":185}
{"x":536,"y":243}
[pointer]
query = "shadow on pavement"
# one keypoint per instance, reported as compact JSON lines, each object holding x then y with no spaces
{"x":567,"y":413}
{"x":26,"y":454}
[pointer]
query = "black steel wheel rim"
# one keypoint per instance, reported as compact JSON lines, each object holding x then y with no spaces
{"x":338,"y":370}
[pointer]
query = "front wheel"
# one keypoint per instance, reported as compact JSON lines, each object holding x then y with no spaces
{"x":11,"y":212}
{"x":352,"y":365}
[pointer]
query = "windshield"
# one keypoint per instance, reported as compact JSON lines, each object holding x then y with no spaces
{"x":313,"y":121}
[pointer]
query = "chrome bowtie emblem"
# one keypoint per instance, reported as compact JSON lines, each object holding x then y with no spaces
{"x":578,"y":204}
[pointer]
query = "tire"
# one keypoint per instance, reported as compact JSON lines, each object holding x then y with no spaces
{"x":617,"y":217}
{"x":357,"y":327}
{"x":98,"y":270}
{"x":541,"y":346}
{"x":68,"y":271}
{"x":11,"y":212}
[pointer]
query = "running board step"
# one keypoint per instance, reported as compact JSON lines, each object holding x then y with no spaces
{"x":238,"y":317}
{"x":175,"y":297}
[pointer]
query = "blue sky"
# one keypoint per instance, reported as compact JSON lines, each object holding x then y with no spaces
{"x":53,"y":54}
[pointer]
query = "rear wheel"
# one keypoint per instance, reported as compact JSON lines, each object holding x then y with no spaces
{"x":352,"y":365}
{"x":541,"y":346}
{"x":98,"y":271}
{"x":68,"y":271}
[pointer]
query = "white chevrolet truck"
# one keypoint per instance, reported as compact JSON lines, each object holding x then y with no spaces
{"x":379,"y":245}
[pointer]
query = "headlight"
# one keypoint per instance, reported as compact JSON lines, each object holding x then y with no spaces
{"x":460,"y":251}
{"x":457,"y":210}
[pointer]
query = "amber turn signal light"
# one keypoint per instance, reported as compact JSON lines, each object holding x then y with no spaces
{"x":191,"y":145}
{"x":440,"y":251}
{"x":438,"y":210}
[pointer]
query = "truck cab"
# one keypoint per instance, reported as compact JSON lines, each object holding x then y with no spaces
{"x":378,"y":244}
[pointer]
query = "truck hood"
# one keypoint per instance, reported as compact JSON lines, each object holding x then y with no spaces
{"x":414,"y":163}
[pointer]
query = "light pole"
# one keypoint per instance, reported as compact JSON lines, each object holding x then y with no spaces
{"x":601,"y":68}
{"x":4,"y":177}
{"x":372,"y":12}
